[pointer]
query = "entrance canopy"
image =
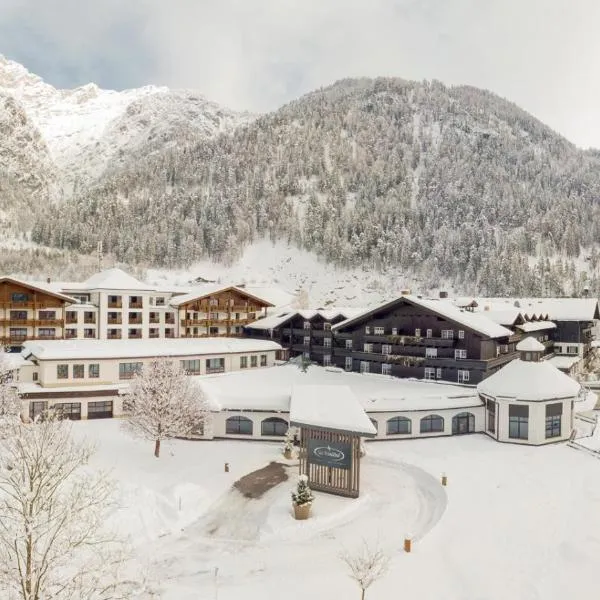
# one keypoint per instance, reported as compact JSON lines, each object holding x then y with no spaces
{"x":329,"y":408}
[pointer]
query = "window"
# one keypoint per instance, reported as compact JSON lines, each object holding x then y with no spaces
{"x":46,"y":332}
{"x":378,"y":330}
{"x":35,"y":376}
{"x":572,"y":350}
{"x":553,"y":420}
{"x":460,"y":353}
{"x":327,"y":326}
{"x":243,"y":362}
{"x":491,"y":416}
{"x":68,"y":410}
{"x":135,"y":333}
{"x":306,"y":324}
{"x":47,"y":314}
{"x":417,"y":333}
{"x":214,"y":302}
{"x":348,"y":344}
{"x":217,"y":365}
{"x":432,"y":424}
{"x":438,"y":373}
{"x":463,"y":423}
{"x":398,"y":425}
{"x":327,"y":342}
{"x":394,"y":331}
{"x":306,"y":355}
{"x":461,"y":334}
{"x":78,"y":371}
{"x":429,"y":333}
{"x":367,"y":330}
{"x":430,"y":352}
{"x":386,"y":369}
{"x":19,"y":297}
{"x":348,"y":363}
{"x":386,"y":349}
{"x":37,"y":409}
{"x":254,"y":361}
{"x":307,"y":340}
{"x":365,"y":366}
{"x":128,"y":370}
{"x":238,"y":426}
{"x":447,"y":334}
{"x":191,"y":367}
{"x":463,"y":376}
{"x":273,"y":426}
{"x":18,"y":332}
{"x":263,"y":360}
{"x":62,"y":371}
{"x":326,"y":360}
{"x":159,"y":301}
{"x":89,"y":333}
{"x":429,"y":373}
{"x":94,"y":371}
{"x":100,"y":410}
{"x":368,"y":348}
{"x":213,"y":331}
{"x":518,"y":422}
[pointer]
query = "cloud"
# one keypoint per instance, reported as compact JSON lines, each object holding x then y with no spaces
{"x":257,"y":54}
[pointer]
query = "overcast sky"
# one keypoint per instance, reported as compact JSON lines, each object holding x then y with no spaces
{"x":257,"y":54}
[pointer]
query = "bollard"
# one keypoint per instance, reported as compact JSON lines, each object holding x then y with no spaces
{"x":226,"y":467}
{"x":407,"y":544}
{"x":444,"y":479}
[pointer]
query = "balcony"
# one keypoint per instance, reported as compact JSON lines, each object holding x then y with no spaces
{"x":136,"y":304}
{"x":48,"y":323}
{"x":89,"y":335}
{"x":89,"y":320}
{"x":137,"y":335}
{"x":154,"y":334}
{"x":169,"y":319}
{"x":169,"y":333}
{"x":411,"y":340}
{"x":115,"y":303}
{"x":134,"y":320}
{"x":154,"y":318}
{"x":115,"y":320}
{"x":69,"y":335}
{"x":71,"y":320}
{"x":114,"y":336}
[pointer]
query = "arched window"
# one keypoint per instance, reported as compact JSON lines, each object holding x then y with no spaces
{"x":432,"y":424}
{"x":463,"y":423}
{"x":274,"y":426}
{"x":399,"y":425}
{"x":238,"y":426}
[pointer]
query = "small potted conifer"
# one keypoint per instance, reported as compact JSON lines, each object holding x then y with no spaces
{"x":302,"y":499}
{"x":288,"y":445}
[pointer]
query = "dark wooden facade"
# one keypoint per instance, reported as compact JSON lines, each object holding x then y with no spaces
{"x":223,"y":313}
{"x":333,"y":480}
{"x":29,"y":313}
{"x":299,"y":335}
{"x":408,"y":340}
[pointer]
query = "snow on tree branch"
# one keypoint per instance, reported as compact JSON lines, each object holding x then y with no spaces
{"x":163,"y":404}
{"x":10,"y":403}
{"x":367,"y":564}
{"x":54,"y":543}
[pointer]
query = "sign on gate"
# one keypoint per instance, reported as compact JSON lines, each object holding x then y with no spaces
{"x":329,"y":454}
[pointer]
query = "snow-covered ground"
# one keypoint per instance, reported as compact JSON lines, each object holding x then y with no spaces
{"x":265,"y":264}
{"x":514,"y":522}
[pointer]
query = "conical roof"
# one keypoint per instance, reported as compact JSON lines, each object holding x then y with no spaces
{"x":530,"y":344}
{"x":529,"y":381}
{"x":115,"y":279}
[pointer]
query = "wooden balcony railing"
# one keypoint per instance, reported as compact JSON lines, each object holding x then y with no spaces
{"x":138,"y":304}
{"x":89,"y":320}
{"x":117,"y":321}
{"x":117,"y":304}
{"x":135,"y":320}
{"x":114,"y":336}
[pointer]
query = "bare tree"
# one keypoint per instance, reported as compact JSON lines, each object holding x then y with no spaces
{"x":10,"y":402}
{"x":367,"y":564}
{"x":163,"y":404}
{"x":53,"y":540}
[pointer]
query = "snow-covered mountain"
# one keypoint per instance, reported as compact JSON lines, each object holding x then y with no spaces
{"x":88,"y":129}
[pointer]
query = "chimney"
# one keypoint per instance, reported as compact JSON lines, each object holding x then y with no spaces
{"x":486,"y":307}
{"x":443,"y":294}
{"x":405,"y":292}
{"x":47,"y":279}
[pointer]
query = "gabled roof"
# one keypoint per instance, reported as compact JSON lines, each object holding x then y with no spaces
{"x":115,"y":279}
{"x":280,"y":318}
{"x":202,"y":291}
{"x":536,"y":326}
{"x":554,"y":309}
{"x":39,"y":287}
{"x":530,"y":344}
{"x":474,"y":321}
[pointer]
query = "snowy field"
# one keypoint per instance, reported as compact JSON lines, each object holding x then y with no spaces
{"x":514,"y":522}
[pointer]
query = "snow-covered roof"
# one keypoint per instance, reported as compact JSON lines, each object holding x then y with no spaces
{"x":556,"y":309}
{"x":115,"y":279}
{"x":330,"y":407}
{"x":36,"y":388}
{"x":529,"y":381}
{"x":536,"y":326}
{"x":475,"y":321}
{"x":270,"y":390}
{"x":530,"y":344}
{"x":506,"y":317}
{"x":45,"y":288}
{"x":98,"y":349}
{"x":209,"y":289}
{"x":12,"y":360}
{"x":279,"y":318}
{"x":564,"y":362}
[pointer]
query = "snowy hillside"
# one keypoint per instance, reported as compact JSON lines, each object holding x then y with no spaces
{"x":87,"y":127}
{"x":280,"y":273}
